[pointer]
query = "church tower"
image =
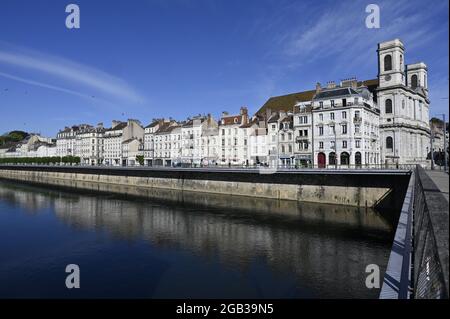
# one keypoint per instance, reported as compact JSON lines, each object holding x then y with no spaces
{"x":402,"y":96}
{"x":391,"y":63}
{"x":417,"y":77}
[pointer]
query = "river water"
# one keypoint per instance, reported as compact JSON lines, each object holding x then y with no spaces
{"x":127,"y":247}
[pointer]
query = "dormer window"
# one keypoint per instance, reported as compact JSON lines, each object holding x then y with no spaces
{"x":332,"y":103}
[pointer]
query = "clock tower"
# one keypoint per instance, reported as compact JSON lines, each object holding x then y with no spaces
{"x":391,"y":63}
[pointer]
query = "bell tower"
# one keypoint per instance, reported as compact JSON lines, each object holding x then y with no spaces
{"x":391,"y":63}
{"x":417,"y":76}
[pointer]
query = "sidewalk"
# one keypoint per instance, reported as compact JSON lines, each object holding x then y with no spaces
{"x":441,"y":179}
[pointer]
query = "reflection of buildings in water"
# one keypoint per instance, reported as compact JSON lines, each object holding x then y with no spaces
{"x":327,"y":245}
{"x":30,"y":202}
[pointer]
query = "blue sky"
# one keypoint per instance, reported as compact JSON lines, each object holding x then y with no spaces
{"x":178,"y":58}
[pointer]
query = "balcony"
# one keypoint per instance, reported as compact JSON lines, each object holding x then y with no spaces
{"x":357,"y":119}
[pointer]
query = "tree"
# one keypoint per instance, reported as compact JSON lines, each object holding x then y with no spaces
{"x":140,"y":159}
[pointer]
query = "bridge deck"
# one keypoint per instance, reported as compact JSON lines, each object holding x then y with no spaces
{"x":441,"y":179}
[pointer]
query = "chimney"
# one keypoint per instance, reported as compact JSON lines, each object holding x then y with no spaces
{"x":114,"y":123}
{"x":244,"y":113}
{"x":331,"y":85}
{"x":100,"y":125}
{"x":224,"y":114}
{"x":318,"y":87}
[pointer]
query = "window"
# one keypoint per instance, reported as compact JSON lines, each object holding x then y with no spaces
{"x":357,"y":143}
{"x":357,"y":128}
{"x":332,"y":145}
{"x":332,"y":103}
{"x":344,"y":129}
{"x":414,"y":81}
{"x":274,"y":127}
{"x":344,"y":144}
{"x":321,"y":117}
{"x":321,"y":104}
{"x":388,"y":106}
{"x":332,"y":129}
{"x":320,"y":130}
{"x":344,"y":114}
{"x":344,"y":102}
{"x":290,"y":136}
{"x":388,"y":63}
{"x":290,"y":148}
{"x":305,"y":132}
{"x":320,"y":145}
{"x":332,"y":115}
{"x":389,"y":143}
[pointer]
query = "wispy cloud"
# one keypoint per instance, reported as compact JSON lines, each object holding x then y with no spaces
{"x":42,"y":85}
{"x":339,"y":32}
{"x":69,"y":71}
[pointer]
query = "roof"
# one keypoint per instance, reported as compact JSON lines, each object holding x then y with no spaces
{"x":326,"y":94}
{"x":286,"y":103}
{"x":153,"y":124}
{"x":231,"y":120}
{"x":119,"y":126}
{"x":274,"y":118}
{"x":165,"y":128}
{"x":130,"y":140}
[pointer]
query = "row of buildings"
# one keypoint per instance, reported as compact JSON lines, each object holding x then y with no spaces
{"x":377,"y":121}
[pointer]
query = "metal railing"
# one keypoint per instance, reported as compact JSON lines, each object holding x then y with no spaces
{"x":429,"y":256}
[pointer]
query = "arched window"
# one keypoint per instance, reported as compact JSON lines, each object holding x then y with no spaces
{"x":388,"y":106}
{"x":389,"y":143}
{"x":414,"y":81}
{"x":332,"y":158}
{"x":358,"y":158}
{"x":345,"y":158}
{"x":388,"y":63}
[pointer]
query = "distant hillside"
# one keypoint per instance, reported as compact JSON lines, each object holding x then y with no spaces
{"x":12,"y":137}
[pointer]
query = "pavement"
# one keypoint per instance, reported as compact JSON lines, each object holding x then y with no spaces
{"x":441,"y":179}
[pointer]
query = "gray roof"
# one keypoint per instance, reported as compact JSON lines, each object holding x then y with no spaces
{"x":326,"y":94}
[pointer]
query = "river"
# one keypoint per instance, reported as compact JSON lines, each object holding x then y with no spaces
{"x":127,"y":247}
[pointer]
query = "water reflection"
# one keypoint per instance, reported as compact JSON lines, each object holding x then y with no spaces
{"x":321,"y":249}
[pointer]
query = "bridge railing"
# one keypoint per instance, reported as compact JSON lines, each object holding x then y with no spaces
{"x":430,"y":240}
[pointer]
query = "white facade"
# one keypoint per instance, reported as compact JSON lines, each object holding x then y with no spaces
{"x":233,"y":140}
{"x":303,"y":134}
{"x":346,"y":128}
{"x":113,"y":138}
{"x":403,"y":98}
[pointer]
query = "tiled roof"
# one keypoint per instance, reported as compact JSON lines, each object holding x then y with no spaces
{"x":287,"y":102}
{"x":231,"y":120}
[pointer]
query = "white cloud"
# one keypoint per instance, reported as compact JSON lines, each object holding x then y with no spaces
{"x":70,"y":71}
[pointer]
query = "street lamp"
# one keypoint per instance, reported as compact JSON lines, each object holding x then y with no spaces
{"x":445,"y":141}
{"x":333,"y":124}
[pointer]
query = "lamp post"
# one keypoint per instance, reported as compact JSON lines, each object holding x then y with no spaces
{"x":445,"y":140}
{"x":333,"y":124}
